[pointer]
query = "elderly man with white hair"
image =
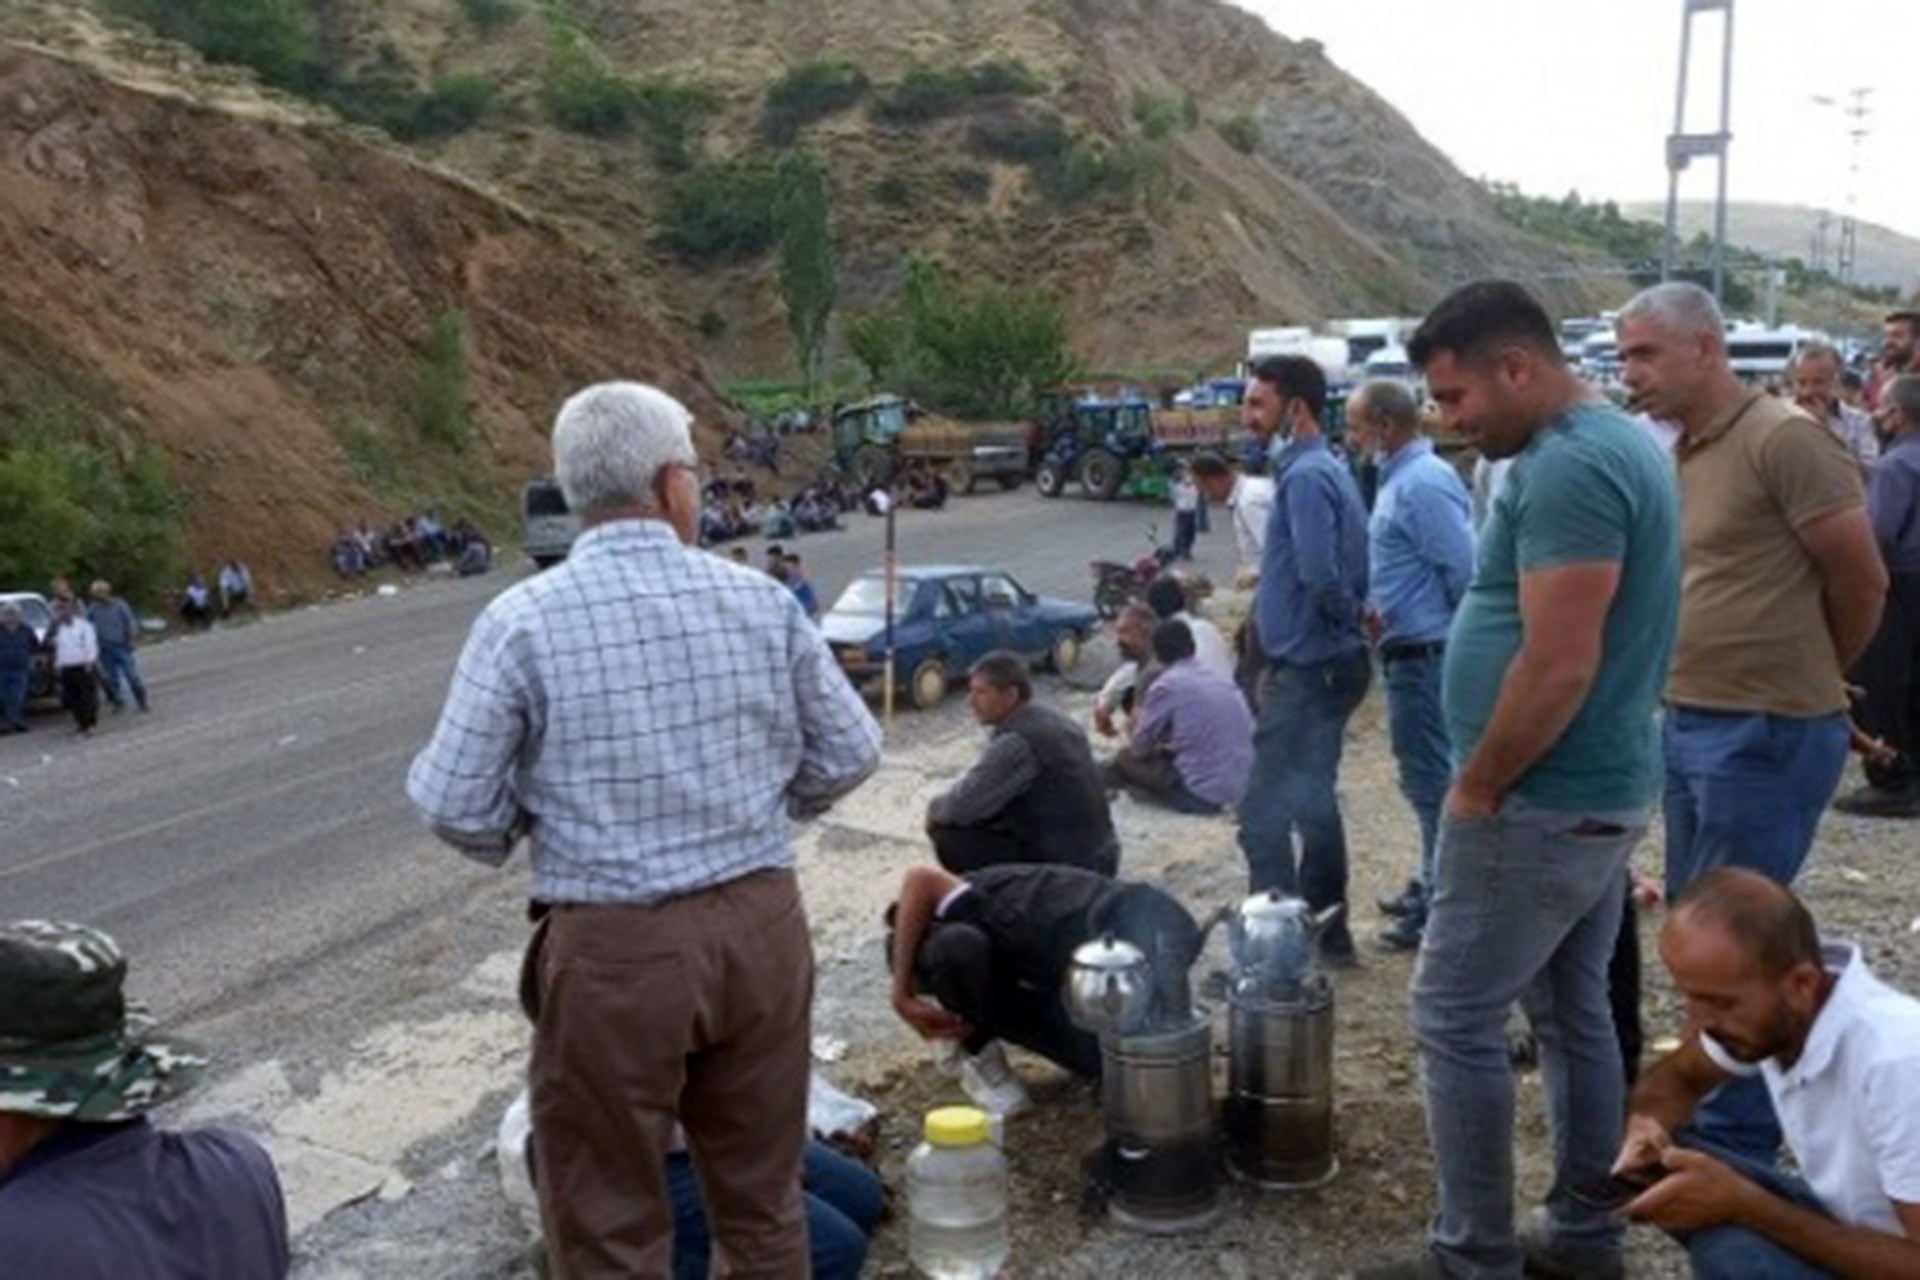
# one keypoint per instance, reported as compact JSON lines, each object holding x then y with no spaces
{"x":1781,"y":590}
{"x":648,"y":717}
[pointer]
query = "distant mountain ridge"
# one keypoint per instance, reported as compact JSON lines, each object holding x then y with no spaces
{"x":1885,"y":256}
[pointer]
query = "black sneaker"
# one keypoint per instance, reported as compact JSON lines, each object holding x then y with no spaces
{"x":1880,"y":802}
{"x":1411,"y":899}
{"x":1404,"y":933}
{"x":1541,"y":1260}
{"x":1338,"y":952}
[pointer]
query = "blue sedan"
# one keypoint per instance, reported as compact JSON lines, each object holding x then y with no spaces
{"x":946,"y":617}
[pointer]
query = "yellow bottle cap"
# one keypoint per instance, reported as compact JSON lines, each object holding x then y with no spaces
{"x":957,"y":1127}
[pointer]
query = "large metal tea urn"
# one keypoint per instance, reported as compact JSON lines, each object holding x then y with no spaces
{"x":1158,"y":1162}
{"x":1278,"y":1115}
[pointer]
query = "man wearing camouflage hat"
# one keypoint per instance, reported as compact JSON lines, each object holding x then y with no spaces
{"x":89,"y":1190}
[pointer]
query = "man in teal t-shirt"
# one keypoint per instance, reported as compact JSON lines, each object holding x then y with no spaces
{"x":1554,"y":670}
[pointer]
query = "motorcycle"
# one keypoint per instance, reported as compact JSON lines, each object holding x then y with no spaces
{"x":1116,"y":583}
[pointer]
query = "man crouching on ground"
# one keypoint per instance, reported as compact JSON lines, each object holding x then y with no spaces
{"x":649,"y":716}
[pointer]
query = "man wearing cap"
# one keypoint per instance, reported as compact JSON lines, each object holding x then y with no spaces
{"x":89,"y":1189}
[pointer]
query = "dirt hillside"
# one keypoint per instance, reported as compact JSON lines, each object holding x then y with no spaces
{"x":253,"y":289}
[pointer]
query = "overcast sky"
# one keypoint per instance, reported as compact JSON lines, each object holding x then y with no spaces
{"x":1560,"y":94}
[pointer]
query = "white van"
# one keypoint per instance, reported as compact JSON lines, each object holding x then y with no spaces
{"x":548,"y":527}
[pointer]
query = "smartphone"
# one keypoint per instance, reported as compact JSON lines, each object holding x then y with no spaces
{"x":1616,"y":1191}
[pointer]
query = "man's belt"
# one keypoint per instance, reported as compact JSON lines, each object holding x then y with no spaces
{"x":1392,"y":653}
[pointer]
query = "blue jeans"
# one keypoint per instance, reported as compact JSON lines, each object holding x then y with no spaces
{"x":1296,"y":766}
{"x":1745,"y":790}
{"x":1526,"y":907}
{"x":13,"y":699}
{"x":844,"y":1200}
{"x":1418,"y":730}
{"x":1733,"y":1252}
{"x":117,"y":664}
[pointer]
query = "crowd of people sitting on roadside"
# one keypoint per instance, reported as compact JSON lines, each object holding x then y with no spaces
{"x":731,"y":509}
{"x":413,"y":542}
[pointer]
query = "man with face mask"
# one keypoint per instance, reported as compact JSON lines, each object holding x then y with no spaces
{"x":1838,"y":1050}
{"x":1313,"y":588}
{"x":1551,"y":688}
{"x":1420,"y":559}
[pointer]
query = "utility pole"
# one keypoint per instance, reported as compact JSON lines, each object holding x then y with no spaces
{"x":1684,"y":147}
{"x":1858,"y":110}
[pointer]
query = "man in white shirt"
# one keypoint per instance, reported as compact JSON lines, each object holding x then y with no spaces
{"x":1816,"y":388}
{"x":1249,"y":498}
{"x":1840,"y":1054}
{"x":1168,"y":600}
{"x":76,"y":656}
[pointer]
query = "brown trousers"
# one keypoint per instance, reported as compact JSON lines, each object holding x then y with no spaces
{"x":697,"y":1008}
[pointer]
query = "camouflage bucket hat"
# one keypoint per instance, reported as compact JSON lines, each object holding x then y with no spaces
{"x":71,"y":1046}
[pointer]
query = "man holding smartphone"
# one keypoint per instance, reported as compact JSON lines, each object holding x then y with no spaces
{"x":1839,"y":1052}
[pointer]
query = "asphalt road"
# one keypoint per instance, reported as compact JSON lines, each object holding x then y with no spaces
{"x":249,"y":843}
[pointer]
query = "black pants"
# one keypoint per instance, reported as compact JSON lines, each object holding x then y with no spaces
{"x":957,"y":967}
{"x":1156,"y":780}
{"x":80,"y":694}
{"x":961,"y":850}
{"x":1889,"y":671}
{"x":1186,"y":524}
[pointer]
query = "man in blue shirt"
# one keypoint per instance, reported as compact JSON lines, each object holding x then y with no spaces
{"x":1313,"y":590}
{"x":1554,"y":669}
{"x":1420,"y":546}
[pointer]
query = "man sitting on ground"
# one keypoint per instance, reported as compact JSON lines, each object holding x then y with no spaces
{"x":1192,"y":743}
{"x":89,"y":1190}
{"x":992,"y":951}
{"x":1119,"y":698}
{"x":1168,"y":600}
{"x":1840,"y":1054}
{"x":1034,"y":796}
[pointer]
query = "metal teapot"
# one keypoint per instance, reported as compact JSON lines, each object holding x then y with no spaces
{"x":1272,"y":937}
{"x":1110,"y":987}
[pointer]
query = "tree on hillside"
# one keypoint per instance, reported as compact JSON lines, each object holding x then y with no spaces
{"x":809,"y":272}
{"x":977,"y":351}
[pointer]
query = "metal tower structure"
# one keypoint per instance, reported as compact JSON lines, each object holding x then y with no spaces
{"x":1858,"y":110}
{"x":1683,"y":147}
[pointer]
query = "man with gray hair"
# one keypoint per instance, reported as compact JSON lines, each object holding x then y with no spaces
{"x":1420,"y":544}
{"x":1782,"y":590}
{"x":649,"y":716}
{"x":1816,"y":388}
{"x":1889,"y":671}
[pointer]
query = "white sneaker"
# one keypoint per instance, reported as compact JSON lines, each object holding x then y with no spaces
{"x":989,"y":1082}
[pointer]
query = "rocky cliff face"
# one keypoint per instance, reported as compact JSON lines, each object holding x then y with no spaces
{"x":253,"y":292}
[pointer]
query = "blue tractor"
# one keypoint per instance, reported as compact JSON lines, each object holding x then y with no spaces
{"x":1109,"y":448}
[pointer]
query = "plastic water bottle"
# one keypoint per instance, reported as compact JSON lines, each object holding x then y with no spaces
{"x":957,"y":1198}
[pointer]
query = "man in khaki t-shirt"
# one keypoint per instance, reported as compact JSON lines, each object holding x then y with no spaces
{"x":1781,"y":588}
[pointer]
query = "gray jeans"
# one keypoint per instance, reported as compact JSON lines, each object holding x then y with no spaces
{"x":1526,"y":907}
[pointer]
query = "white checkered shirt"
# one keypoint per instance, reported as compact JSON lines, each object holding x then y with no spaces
{"x":650,"y":715}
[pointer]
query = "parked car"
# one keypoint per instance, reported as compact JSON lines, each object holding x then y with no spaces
{"x":37,"y":615}
{"x":946,"y":617}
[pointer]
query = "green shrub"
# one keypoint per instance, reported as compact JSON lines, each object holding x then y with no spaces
{"x":711,"y":324}
{"x":440,"y":408}
{"x":579,"y":90}
{"x":672,"y":111}
{"x":1021,"y":139}
{"x":722,"y":212}
{"x":1087,"y":170}
{"x":75,"y":508}
{"x":1242,"y":133}
{"x":1157,"y":116}
{"x":455,"y":103}
{"x":894,"y":191}
{"x":385,"y":98}
{"x":1009,"y":77}
{"x":927,"y":93}
{"x":807,"y":93}
{"x":271,"y":36}
{"x":489,"y":14}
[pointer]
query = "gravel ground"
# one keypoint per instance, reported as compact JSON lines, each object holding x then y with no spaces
{"x":1857,"y":883}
